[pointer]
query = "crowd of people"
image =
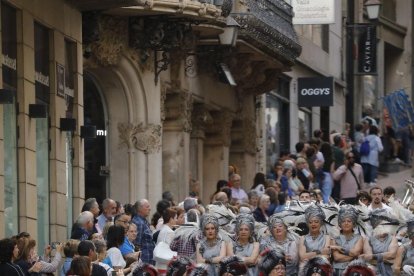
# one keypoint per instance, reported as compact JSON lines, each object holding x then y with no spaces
{"x":317,"y":212}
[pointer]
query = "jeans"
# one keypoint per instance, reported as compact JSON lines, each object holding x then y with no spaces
{"x":326,"y":188}
{"x":370,"y":172}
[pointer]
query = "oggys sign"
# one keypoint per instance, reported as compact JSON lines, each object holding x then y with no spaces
{"x":317,"y":91}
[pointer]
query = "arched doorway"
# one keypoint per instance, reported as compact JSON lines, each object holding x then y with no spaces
{"x":96,"y":172}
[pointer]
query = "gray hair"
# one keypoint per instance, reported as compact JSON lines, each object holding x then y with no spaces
{"x":89,"y":203}
{"x":106,"y":202}
{"x":189,"y":203}
{"x":192,"y":215}
{"x":252,"y":193}
{"x":100,"y":245}
{"x":84,"y":217}
{"x":138,"y":205}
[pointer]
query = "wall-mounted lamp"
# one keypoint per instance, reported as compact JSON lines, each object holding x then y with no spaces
{"x":6,"y":96}
{"x":67,"y":124}
{"x":225,"y":74}
{"x":373,"y":8}
{"x":37,"y":111}
{"x":88,"y":132}
{"x":231,"y":31}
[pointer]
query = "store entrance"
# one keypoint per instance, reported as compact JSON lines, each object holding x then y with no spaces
{"x":96,"y":172}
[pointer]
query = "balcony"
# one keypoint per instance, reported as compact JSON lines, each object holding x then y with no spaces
{"x":267,"y":26}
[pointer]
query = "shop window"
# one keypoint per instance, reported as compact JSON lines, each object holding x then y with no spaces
{"x":42,"y":91}
{"x":70,"y":69}
{"x":305,"y":125}
{"x":9,"y":74}
{"x":277,"y":127}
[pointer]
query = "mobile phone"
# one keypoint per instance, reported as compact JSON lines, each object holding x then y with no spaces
{"x":54,"y":244}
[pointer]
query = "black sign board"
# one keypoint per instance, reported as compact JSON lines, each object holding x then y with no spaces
{"x":315,"y":91}
{"x":367,"y":49}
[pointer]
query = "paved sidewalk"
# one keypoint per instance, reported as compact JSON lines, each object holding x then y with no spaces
{"x":396,"y":180}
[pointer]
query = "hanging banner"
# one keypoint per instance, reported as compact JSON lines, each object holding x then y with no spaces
{"x":367,"y":49}
{"x":399,"y":109}
{"x":315,"y":91}
{"x":313,"y":11}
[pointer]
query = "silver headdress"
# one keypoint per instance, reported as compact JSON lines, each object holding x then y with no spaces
{"x":314,"y":211}
{"x":245,"y":219}
{"x":270,"y":259}
{"x":273,"y":220}
{"x":347,"y":211}
{"x":207,"y":219}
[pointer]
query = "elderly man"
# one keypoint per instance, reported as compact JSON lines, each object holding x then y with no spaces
{"x":92,"y":206}
{"x":144,"y":237}
{"x":238,"y":195}
{"x":84,"y":227}
{"x":108,"y":213}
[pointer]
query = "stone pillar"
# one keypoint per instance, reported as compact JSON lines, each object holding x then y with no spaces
{"x":216,"y":151}
{"x":200,"y":119}
{"x":243,"y":148}
{"x":176,"y":143}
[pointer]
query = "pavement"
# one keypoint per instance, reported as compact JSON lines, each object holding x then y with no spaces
{"x":395,"y":180}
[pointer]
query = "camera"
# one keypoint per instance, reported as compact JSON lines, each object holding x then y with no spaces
{"x":54,"y":244}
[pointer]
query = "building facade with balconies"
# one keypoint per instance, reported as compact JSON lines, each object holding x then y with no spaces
{"x":126,"y":99}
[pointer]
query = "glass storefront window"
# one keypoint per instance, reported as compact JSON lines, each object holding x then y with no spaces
{"x":69,"y":181}
{"x":305,"y":127}
{"x":42,"y":90}
{"x":277,"y":128}
{"x":9,"y":74}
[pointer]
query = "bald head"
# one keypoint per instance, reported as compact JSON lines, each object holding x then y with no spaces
{"x":222,"y":197}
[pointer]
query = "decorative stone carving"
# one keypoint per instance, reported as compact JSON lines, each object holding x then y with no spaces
{"x":112,"y":40}
{"x":177,"y":111}
{"x":201,"y":118}
{"x":144,"y":138}
{"x":249,"y":136}
{"x":191,"y":66}
{"x":226,"y":7}
{"x":220,"y":130}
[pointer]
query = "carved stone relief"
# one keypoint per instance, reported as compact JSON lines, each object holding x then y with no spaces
{"x":220,"y":130}
{"x":112,"y":40}
{"x":176,"y":110}
{"x":144,"y":138}
{"x":201,"y":118}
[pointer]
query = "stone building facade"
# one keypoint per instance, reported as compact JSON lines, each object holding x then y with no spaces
{"x":149,"y":79}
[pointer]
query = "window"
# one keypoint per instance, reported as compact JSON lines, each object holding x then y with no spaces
{"x":305,"y":125}
{"x":318,"y":34}
{"x":42,"y":90}
{"x":9,"y":74}
{"x":70,"y":68}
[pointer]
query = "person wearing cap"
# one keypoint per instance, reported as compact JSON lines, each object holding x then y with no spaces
{"x":245,"y":247}
{"x":404,"y":262}
{"x":315,"y":243}
{"x":348,"y":245}
{"x":283,"y":240}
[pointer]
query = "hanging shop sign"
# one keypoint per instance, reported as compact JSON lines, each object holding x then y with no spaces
{"x":367,"y":49}
{"x":316,"y":91}
{"x":313,"y":11}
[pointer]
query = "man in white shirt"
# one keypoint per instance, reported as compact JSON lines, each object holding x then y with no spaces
{"x":238,"y":195}
{"x":108,"y":213}
{"x":377,"y":195}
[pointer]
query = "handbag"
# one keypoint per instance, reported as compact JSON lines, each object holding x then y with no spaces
{"x":163,"y":253}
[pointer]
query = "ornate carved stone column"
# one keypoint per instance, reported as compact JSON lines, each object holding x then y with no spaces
{"x":216,"y":153}
{"x":201,"y":118}
{"x":176,"y":142}
{"x":145,"y":138}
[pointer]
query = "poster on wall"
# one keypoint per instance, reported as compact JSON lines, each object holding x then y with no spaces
{"x":60,"y":80}
{"x":313,"y":11}
{"x":316,"y":91}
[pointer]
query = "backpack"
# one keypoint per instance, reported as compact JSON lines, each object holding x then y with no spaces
{"x":364,"y":149}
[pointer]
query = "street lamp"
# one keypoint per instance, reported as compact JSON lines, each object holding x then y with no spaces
{"x":373,"y":7}
{"x":229,"y":36}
